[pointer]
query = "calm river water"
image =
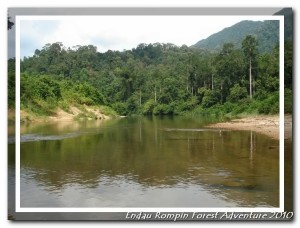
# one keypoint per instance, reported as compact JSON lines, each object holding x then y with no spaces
{"x":146,"y":162}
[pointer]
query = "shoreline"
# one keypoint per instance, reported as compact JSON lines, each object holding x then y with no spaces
{"x":267,"y":125}
{"x":59,"y":115}
{"x":264,"y":124}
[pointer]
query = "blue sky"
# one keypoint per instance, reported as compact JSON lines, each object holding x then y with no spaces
{"x":119,"y":32}
{"x":33,"y":32}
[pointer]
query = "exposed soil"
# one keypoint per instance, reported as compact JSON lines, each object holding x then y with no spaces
{"x":62,"y":115}
{"x":74,"y":112}
{"x":268,"y":125}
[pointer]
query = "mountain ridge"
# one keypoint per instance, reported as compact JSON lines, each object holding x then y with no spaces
{"x":266,"y":32}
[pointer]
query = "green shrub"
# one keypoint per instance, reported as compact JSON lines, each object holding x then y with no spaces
{"x":120,"y":108}
{"x":63,"y":105}
{"x":270,"y":105}
{"x":108,"y":111}
{"x":163,"y":109}
{"x":237,"y":93}
{"x":148,"y":107}
{"x":210,"y":98}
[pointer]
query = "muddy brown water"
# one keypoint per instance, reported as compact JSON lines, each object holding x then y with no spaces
{"x":146,"y":162}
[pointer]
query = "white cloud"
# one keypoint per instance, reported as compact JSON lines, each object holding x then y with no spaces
{"x":119,"y":32}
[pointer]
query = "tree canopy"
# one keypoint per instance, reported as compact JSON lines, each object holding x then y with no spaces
{"x":151,"y":78}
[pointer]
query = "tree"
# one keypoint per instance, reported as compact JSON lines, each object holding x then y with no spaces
{"x":229,"y":69}
{"x":249,"y":46}
{"x":237,"y":93}
{"x":10,"y":24}
{"x":210,"y":98}
{"x":155,"y":78}
{"x":268,"y":69}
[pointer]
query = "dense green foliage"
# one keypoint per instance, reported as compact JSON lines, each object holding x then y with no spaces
{"x":156,"y":79}
{"x":42,"y":94}
{"x":151,"y":79}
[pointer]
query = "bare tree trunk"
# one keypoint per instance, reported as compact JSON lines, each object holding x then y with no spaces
{"x":155,"y":93}
{"x":250,"y":80}
{"x":212,"y":81}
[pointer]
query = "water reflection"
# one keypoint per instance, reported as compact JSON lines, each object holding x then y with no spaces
{"x":140,"y":162}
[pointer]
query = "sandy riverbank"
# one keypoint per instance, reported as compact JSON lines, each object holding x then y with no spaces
{"x":86,"y":112}
{"x":268,"y":125}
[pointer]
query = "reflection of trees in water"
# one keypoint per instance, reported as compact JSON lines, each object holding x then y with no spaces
{"x":65,"y":126}
{"x":232,"y":164}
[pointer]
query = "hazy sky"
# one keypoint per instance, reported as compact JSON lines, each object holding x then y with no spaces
{"x":119,"y":32}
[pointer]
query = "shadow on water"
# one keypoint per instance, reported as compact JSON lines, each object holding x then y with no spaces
{"x":141,"y":162}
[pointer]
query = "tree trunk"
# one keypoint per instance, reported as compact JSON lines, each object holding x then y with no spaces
{"x":250,"y":80}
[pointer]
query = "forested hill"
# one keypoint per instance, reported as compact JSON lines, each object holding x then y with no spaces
{"x":266,"y":32}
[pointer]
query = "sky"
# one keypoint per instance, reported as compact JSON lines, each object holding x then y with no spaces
{"x":119,"y":32}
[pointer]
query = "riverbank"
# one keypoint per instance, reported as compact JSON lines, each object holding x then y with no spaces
{"x":85,"y":112}
{"x":73,"y":113}
{"x":267,"y":125}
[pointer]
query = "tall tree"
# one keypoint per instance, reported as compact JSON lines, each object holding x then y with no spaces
{"x":249,"y":46}
{"x":229,"y":69}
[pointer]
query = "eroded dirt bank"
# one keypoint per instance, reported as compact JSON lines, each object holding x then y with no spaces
{"x":85,"y":112}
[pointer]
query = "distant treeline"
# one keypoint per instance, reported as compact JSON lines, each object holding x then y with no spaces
{"x":155,"y":79}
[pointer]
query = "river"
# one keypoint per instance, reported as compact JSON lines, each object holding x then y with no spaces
{"x":145,"y":162}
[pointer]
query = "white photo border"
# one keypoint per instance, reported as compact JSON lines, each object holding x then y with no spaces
{"x":18,"y":207}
